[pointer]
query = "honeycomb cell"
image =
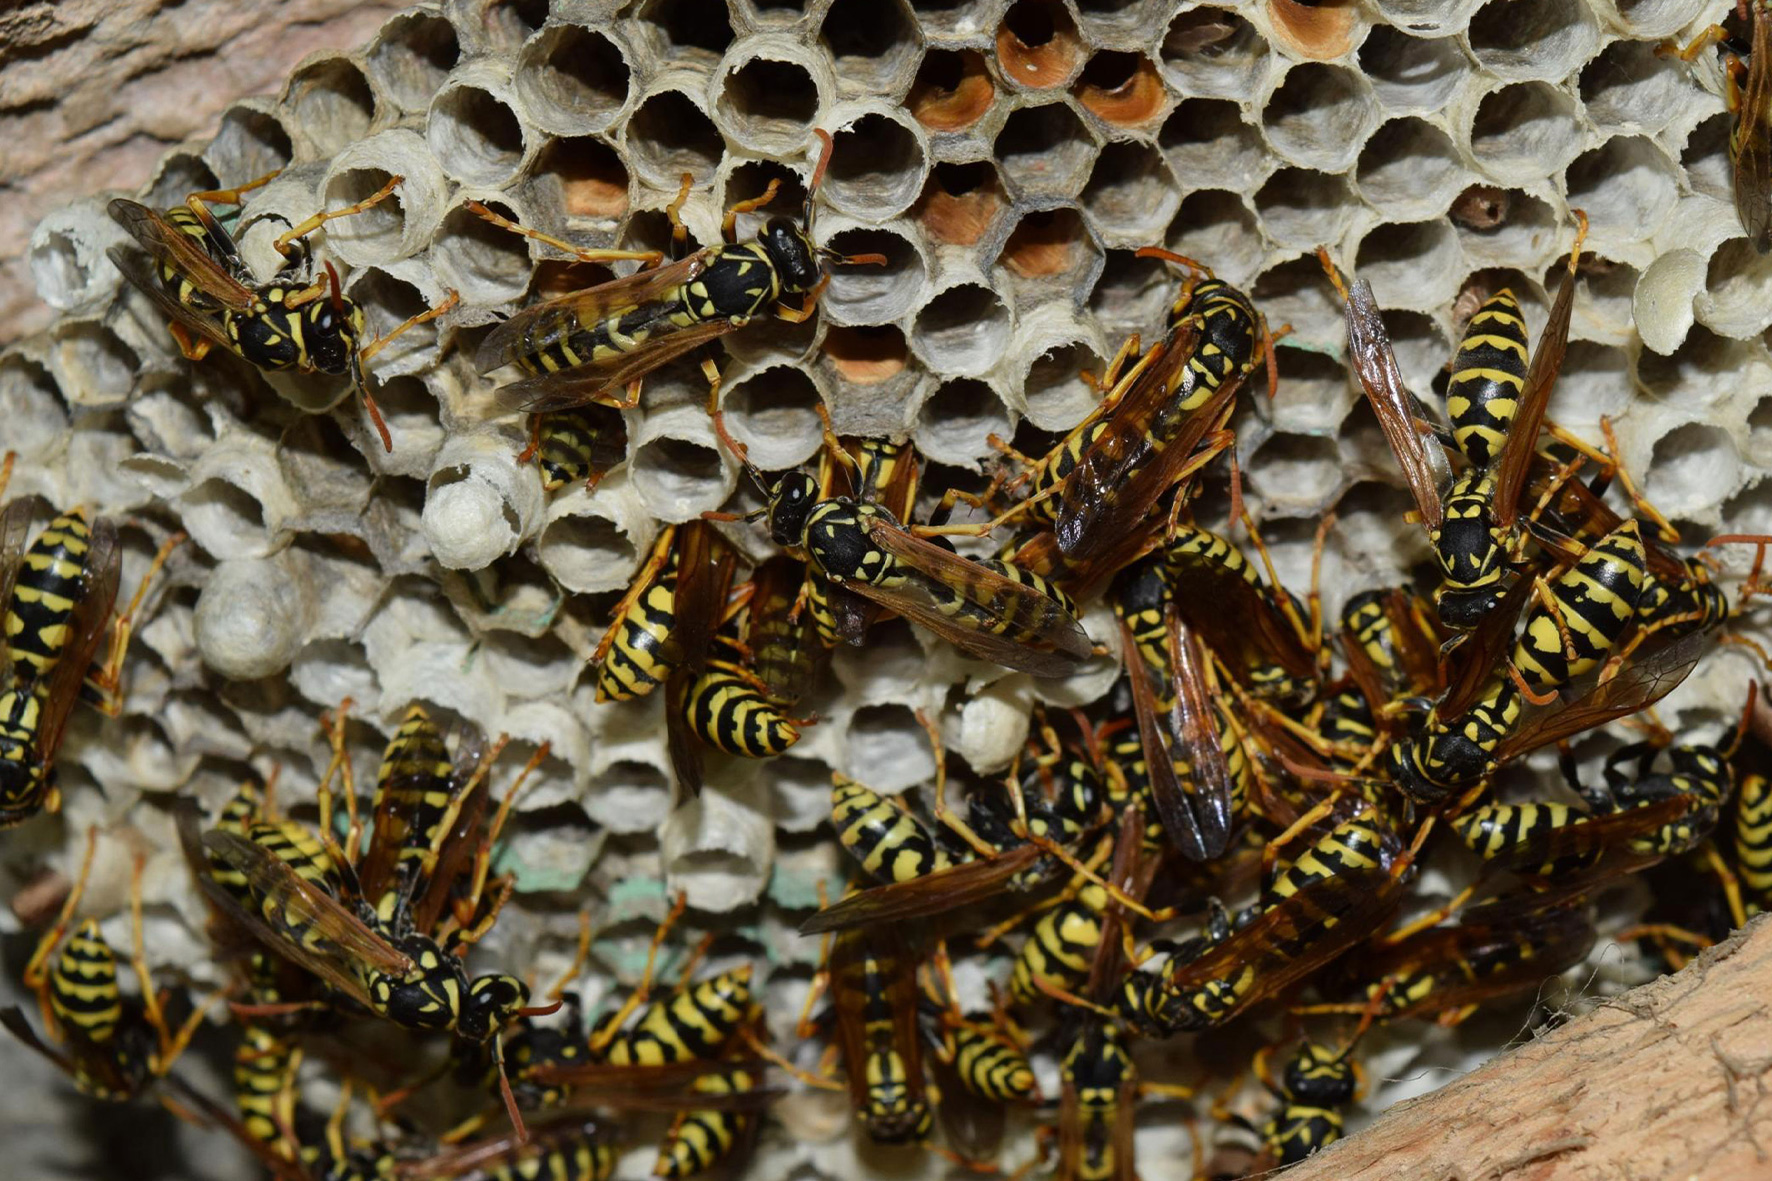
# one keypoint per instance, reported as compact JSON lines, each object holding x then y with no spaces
{"x":629,"y":795}
{"x":873,"y":45}
{"x":952,"y":90}
{"x":1209,"y":145}
{"x":878,"y":164}
{"x":866,"y":355}
{"x":1631,"y":87}
{"x":960,"y":202}
{"x":1044,"y":149}
{"x":1503,"y":227}
{"x":591,"y":541}
{"x":1296,"y":292}
{"x":1319,"y":116}
{"x":95,"y":366}
{"x":1047,"y":251}
{"x":474,"y":131}
{"x":572,"y":80}
{"x":1603,"y":303}
{"x":1123,"y":89}
{"x":677,"y":465}
{"x":1705,"y":158}
{"x":1410,"y":169}
{"x":412,"y":413}
{"x":767,"y":96}
{"x":69,"y":266}
{"x":32,"y":404}
{"x":668,"y":136}
{"x":1411,"y":264}
{"x":1303,"y":208}
{"x":1314,"y":393}
{"x":748,"y":180}
{"x":772,"y":411}
{"x":226,"y":519}
{"x":178,"y":174}
{"x":1119,"y":23}
{"x":1131,"y":195}
{"x":251,"y":142}
{"x":1594,"y":382}
{"x":391,"y":294}
{"x":1652,"y":19}
{"x":1132,"y":294}
{"x":955,"y":423}
{"x":963,"y":330}
{"x":683,"y":32}
{"x":1217,"y":228}
{"x":1295,"y":474}
{"x":506,"y":24}
{"x":871,"y":294}
{"x":1428,"y":17}
{"x":1421,"y":348}
{"x":1320,"y":32}
{"x":411,"y":56}
{"x":1216,"y":53}
{"x":1525,"y":132}
{"x":1625,"y":186}
{"x":1533,"y":39}
{"x":1412,"y":74}
{"x":485,"y":263}
{"x":1053,"y":352}
{"x":1694,"y":467}
{"x":582,"y":176}
{"x":1737,"y":301}
{"x":398,"y":227}
{"x":330,"y":105}
{"x":1038,"y":46}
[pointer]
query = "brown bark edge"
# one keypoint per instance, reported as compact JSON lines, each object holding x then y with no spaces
{"x":1666,"y":1081}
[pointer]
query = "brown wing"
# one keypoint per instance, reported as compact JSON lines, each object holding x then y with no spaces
{"x":148,"y":284}
{"x":850,"y":954}
{"x":1604,"y":836}
{"x":1753,"y":139}
{"x":1421,"y":459}
{"x":932,"y":894}
{"x":1477,"y":657}
{"x":552,"y":321}
{"x":87,"y":628}
{"x":1650,"y":676}
{"x":349,"y":946}
{"x":1043,"y":638}
{"x":704,"y":575}
{"x":483,"y":1157}
{"x":1482,"y":960}
{"x":170,"y":245}
{"x":395,"y":821}
{"x":1541,"y":378}
{"x":455,"y":858}
{"x":1175,"y":725}
{"x":1578,"y":512}
{"x":567,"y":388}
{"x":101,"y":1065}
{"x":1236,"y":617}
{"x":15,"y":527}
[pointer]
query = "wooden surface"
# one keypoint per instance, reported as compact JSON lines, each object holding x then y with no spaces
{"x":1669,"y":1080}
{"x":92,"y":91}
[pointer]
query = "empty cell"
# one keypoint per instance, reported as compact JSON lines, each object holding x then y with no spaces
{"x":1305,"y":208}
{"x":1112,"y":21}
{"x":768,"y":104}
{"x":1218,"y":229}
{"x":954,"y":425}
{"x":1216,"y":52}
{"x":1521,"y":39}
{"x":1651,"y":19}
{"x":1503,"y":226}
{"x":32,"y":404}
{"x":668,"y":136}
{"x":1603,"y":304}
{"x":870,"y":294}
{"x":508,"y":23}
{"x":1294,"y":474}
{"x":177,"y":176}
{"x":330,"y":103}
{"x":1053,"y":388}
{"x":1631,"y":87}
{"x":1319,"y":116}
{"x":410,"y":410}
{"x":1411,"y":264}
{"x":684,"y":31}
{"x":940,"y":18}
{"x":773,"y":412}
{"x":952,"y":90}
{"x":1038,"y":46}
{"x":399,"y":226}
{"x":874,"y":44}
{"x":1412,"y":73}
{"x":1693,"y":469}
{"x":1410,"y":168}
{"x":1525,"y":132}
{"x":1705,"y":158}
{"x":1131,"y":194}
{"x":387,"y":301}
{"x":961,"y":201}
{"x":1627,"y":186}
{"x":249,"y":144}
{"x":1047,"y":243}
{"x":1044,"y":149}
{"x":1701,"y":372}
{"x":485,"y":263}
{"x":1209,"y":144}
{"x":582,"y":176}
{"x":225,"y":519}
{"x":869,"y":354}
{"x":629,"y":796}
{"x":1738,"y":290}
{"x":675,"y":463}
{"x":96,"y":367}
{"x":749,"y":180}
{"x":475,"y":135}
{"x":877,"y":167}
{"x":411,"y":56}
{"x":962,"y":331}
{"x":1594,"y":382}
{"x":1298,"y":293}
{"x":1313,"y":396}
{"x":773,"y":12}
{"x":1132,"y":293}
{"x":69,"y":266}
{"x":572,"y":80}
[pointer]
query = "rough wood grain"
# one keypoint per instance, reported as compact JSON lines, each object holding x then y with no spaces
{"x":1669,"y":1080}
{"x":92,"y":91}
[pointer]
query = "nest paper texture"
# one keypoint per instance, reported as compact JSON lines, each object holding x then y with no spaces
{"x":1007,"y":162}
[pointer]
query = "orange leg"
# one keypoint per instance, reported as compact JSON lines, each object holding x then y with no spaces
{"x":107,"y":678}
{"x":313,"y":223}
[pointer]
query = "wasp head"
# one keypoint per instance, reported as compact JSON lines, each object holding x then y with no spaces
{"x":493,"y":1002}
{"x":790,"y":504}
{"x":790,"y":248}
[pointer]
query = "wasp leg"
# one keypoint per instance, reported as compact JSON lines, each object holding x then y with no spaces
{"x":106,"y":678}
{"x":303,"y":229}
{"x":6,"y":470}
{"x":189,"y":347}
{"x":729,"y":223}
{"x":650,"y":258}
{"x":674,"y":214}
{"x":612,"y":1027}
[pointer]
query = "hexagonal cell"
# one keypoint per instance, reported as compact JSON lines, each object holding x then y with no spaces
{"x":1627,"y":186}
{"x":1738,"y":291}
{"x":1053,"y":388}
{"x":767,"y":104}
{"x":952,"y":90}
{"x":961,"y":201}
{"x":866,"y":355}
{"x":1320,"y":32}
{"x":475,"y":135}
{"x":1314,"y":393}
{"x":963,"y":330}
{"x":1603,"y":304}
{"x":1038,"y":46}
{"x":1122,"y":89}
{"x":1119,"y":22}
{"x":178,"y":175}
{"x":1502,"y":226}
{"x":1044,"y":149}
{"x":1298,"y":293}
{"x":1594,"y":382}
{"x":1131,"y":194}
{"x":331,"y":103}
{"x":1694,"y":468}
{"x":678,"y":31}
{"x":1218,"y":229}
{"x":572,"y":80}
{"x":1302,"y":207}
{"x":1411,"y":264}
{"x":1410,"y":168}
{"x":249,"y":144}
{"x":388,"y":301}
{"x":485,"y":263}
{"x":1525,"y":132}
{"x":667,"y":136}
{"x":955,"y":424}
{"x":1706,"y":158}
{"x":1215,"y":52}
{"x":1294,"y":474}
{"x":1047,"y":244}
{"x":878,"y":166}
{"x":583,"y":176}
{"x":1631,"y":87}
{"x":773,"y":412}
{"x":411,"y":56}
{"x":1132,"y":295}
{"x":873,"y":44}
{"x":509,"y":23}
{"x":1209,"y":144}
{"x":678,"y":478}
{"x":1319,"y":116}
{"x":1412,"y":73}
{"x":96,"y":366}
{"x":1653,"y":19}
{"x":1526,"y":39}
{"x":869,"y":294}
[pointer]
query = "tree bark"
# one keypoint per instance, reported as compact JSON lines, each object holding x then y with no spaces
{"x":1667,"y":1081}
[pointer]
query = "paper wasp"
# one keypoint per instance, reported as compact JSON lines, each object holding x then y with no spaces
{"x":56,"y":597}
{"x":1749,"y":98}
{"x":572,"y":1148}
{"x":578,"y":445}
{"x":1318,"y":1083}
{"x":787,"y":651}
{"x":980,"y":1063}
{"x":730,"y":708}
{"x":580,"y":347}
{"x":293,"y":321}
{"x":1752,"y":841}
{"x":1391,"y":643}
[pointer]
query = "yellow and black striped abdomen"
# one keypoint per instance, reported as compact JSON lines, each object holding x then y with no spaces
{"x":1227,"y":344}
{"x":562,"y":342}
{"x":693,"y":1023}
{"x":52,"y":579}
{"x":726,"y":710}
{"x":1596,"y":598}
{"x":264,"y":1073}
{"x":1061,"y":946}
{"x":83,"y":991}
{"x":703,"y":1138}
{"x":1488,"y":374}
{"x":1512,"y":830}
{"x":583,"y":1159}
{"x":1299,"y":1129}
{"x":24,"y":777}
{"x":636,"y":664}
{"x":991,"y":1065}
{"x":1753,"y":841}
{"x":417,"y":778}
{"x":888,"y":841}
{"x":1351,"y":845}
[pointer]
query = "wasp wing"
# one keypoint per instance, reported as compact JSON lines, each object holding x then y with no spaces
{"x":932,"y":894}
{"x":1541,"y":377}
{"x":1422,"y":460}
{"x":1174,"y":709}
{"x":552,"y":322}
{"x":870,"y":967}
{"x":704,"y":574}
{"x":172,"y":246}
{"x":1475,"y":659}
{"x":566,"y":388}
{"x":1753,"y":138}
{"x":1235,"y":616}
{"x":148,"y":284}
{"x":15,"y":527}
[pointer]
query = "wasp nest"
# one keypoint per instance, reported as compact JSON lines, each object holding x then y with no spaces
{"x":1006,"y":160}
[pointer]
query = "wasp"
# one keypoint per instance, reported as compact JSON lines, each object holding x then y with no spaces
{"x":292,"y":322}
{"x":701,"y":1138}
{"x":1752,"y":841}
{"x":56,"y":598}
{"x":1392,"y":644}
{"x":265,"y":1065}
{"x":580,"y":347}
{"x":571,"y":1148}
{"x":579,"y":445}
{"x":1749,"y":98}
{"x":785,"y":639}
{"x":1314,"y":1090}
{"x":730,"y":708}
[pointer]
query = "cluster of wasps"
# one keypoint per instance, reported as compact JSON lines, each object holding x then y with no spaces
{"x":1262,"y":787}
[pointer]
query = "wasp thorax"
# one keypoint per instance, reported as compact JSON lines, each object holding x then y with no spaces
{"x":493,"y":1002}
{"x":790,"y":504}
{"x":791,"y":250}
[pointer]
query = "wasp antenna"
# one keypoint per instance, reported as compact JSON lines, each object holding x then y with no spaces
{"x":338,"y":300}
{"x":818,"y":170}
{"x":1180,"y":260}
